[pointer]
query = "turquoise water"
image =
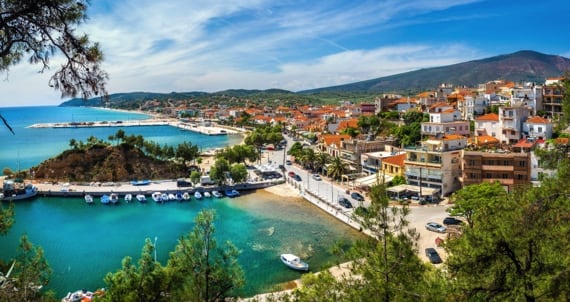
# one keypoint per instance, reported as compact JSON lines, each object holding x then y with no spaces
{"x":82,"y":243}
{"x":29,"y":147}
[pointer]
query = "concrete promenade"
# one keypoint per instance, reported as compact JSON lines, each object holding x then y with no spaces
{"x":190,"y":126}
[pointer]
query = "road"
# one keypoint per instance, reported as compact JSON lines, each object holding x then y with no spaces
{"x":330,"y":192}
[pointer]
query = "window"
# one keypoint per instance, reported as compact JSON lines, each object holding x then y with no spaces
{"x":522,"y":163}
{"x":539,"y":129}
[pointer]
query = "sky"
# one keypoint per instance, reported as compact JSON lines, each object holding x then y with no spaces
{"x":211,"y":45}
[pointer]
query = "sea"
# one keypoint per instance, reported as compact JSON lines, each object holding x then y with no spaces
{"x":83,"y":243}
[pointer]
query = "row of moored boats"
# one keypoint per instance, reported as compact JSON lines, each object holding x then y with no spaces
{"x":159,"y":197}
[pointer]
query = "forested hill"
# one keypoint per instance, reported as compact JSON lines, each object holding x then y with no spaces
{"x":519,"y":66}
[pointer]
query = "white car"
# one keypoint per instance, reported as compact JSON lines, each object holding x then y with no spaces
{"x":316,"y":177}
{"x":435,"y":227}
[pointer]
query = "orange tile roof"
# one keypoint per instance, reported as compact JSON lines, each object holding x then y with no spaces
{"x":396,"y":160}
{"x":488,"y":117}
{"x":483,"y":140}
{"x":353,"y":123}
{"x":334,"y":139}
{"x":538,"y":120}
{"x":452,"y":137}
{"x":562,"y":141}
{"x":524,"y":143}
{"x":438,"y":104}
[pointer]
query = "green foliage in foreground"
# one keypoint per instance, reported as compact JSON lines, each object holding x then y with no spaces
{"x":197,"y":270}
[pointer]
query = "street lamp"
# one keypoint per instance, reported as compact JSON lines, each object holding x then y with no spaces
{"x":155,"y":238}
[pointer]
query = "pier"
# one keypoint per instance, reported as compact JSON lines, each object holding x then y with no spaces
{"x":197,"y":127}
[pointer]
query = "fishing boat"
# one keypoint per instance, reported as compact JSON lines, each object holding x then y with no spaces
{"x":105,"y":199}
{"x":141,"y":198}
{"x":197,"y":195}
{"x":231,"y":193}
{"x":88,"y":199}
{"x":217,"y":194}
{"x":157,"y":197}
{"x":207,"y":195}
{"x":128,"y":198}
{"x":17,"y":190}
{"x":186,"y":196}
{"x":114,"y":198}
{"x":294,"y":262}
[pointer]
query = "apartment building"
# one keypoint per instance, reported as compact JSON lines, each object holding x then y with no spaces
{"x":508,"y":168}
{"x":552,"y":95}
{"x":444,"y":119}
{"x":511,"y":121}
{"x":436,"y":163}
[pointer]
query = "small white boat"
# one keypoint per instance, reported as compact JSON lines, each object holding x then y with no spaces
{"x":141,"y":198}
{"x":197,"y":195}
{"x":156,"y":196}
{"x":128,"y":198}
{"x":164,"y":197}
{"x":294,"y":262}
{"x":217,"y":194}
{"x":207,"y":195}
{"x":114,"y":198}
{"x":171,"y":196}
{"x":89,"y":199}
{"x":186,"y":196}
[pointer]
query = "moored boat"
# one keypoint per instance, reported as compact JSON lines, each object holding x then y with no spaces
{"x":164,"y":197}
{"x":140,"y":182}
{"x":105,"y":199}
{"x":13,"y":190}
{"x":179,"y":196}
{"x":88,"y":199}
{"x":207,"y":195}
{"x":114,"y":198}
{"x":186,"y":196}
{"x":294,"y":262}
{"x":128,"y":198}
{"x":141,"y":198}
{"x":171,"y":196}
{"x":231,"y":193}
{"x":157,"y":197}
{"x":197,"y":195}
{"x":217,"y":194}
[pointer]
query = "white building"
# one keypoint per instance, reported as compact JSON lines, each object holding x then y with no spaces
{"x":444,"y":119}
{"x":537,"y":127}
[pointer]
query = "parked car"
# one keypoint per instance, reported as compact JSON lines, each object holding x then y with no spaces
{"x":291,"y":174}
{"x":345,"y":202}
{"x":297,"y":177}
{"x":316,"y":177}
{"x":452,"y":221}
{"x":357,"y":196}
{"x":282,"y":168}
{"x":433,"y":256}
{"x":288,"y":162}
{"x":435,"y":227}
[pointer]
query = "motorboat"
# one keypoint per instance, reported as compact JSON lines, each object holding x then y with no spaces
{"x":128,"y":198}
{"x":179,"y":196}
{"x":88,"y":199}
{"x":207,"y":195}
{"x":171,"y":196}
{"x":140,"y":182}
{"x":164,"y":197}
{"x":294,"y":262}
{"x":114,"y":198}
{"x":217,"y":194}
{"x":231,"y":193}
{"x":197,"y":195}
{"x":14,"y":190}
{"x":141,"y":198}
{"x":186,"y":196}
{"x":105,"y":199}
{"x":157,"y":197}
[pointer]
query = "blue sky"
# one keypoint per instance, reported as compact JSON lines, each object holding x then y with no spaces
{"x":209,"y":45}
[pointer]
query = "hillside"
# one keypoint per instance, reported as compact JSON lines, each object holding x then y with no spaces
{"x":519,"y":66}
{"x":106,"y":163}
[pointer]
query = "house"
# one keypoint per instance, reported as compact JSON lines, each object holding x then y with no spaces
{"x":444,"y":119}
{"x":511,"y":121}
{"x":394,"y":165}
{"x":488,"y":124}
{"x":471,"y":106}
{"x":537,"y":127}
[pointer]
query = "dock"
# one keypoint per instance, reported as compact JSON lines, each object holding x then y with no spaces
{"x":211,"y":129}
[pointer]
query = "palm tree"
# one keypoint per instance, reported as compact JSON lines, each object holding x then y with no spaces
{"x":337,"y":168}
{"x":308,"y":158}
{"x":321,"y":160}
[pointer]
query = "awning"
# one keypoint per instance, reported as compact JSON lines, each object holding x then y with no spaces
{"x":373,"y":179}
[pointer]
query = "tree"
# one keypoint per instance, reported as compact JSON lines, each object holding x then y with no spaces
{"x":337,"y":168}
{"x":321,"y":160}
{"x":471,"y":200}
{"x":398,"y":180}
{"x":219,"y":170}
{"x":238,"y":172}
{"x":517,"y":248}
{"x":145,"y":282}
{"x":31,"y":272}
{"x":6,"y":218}
{"x":195,"y":177}
{"x":36,"y":30}
{"x":199,"y":269}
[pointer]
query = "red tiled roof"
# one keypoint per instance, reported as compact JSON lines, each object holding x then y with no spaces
{"x":396,"y":160}
{"x":524,"y":143}
{"x":538,"y":120}
{"x":488,"y":117}
{"x":330,"y":139}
